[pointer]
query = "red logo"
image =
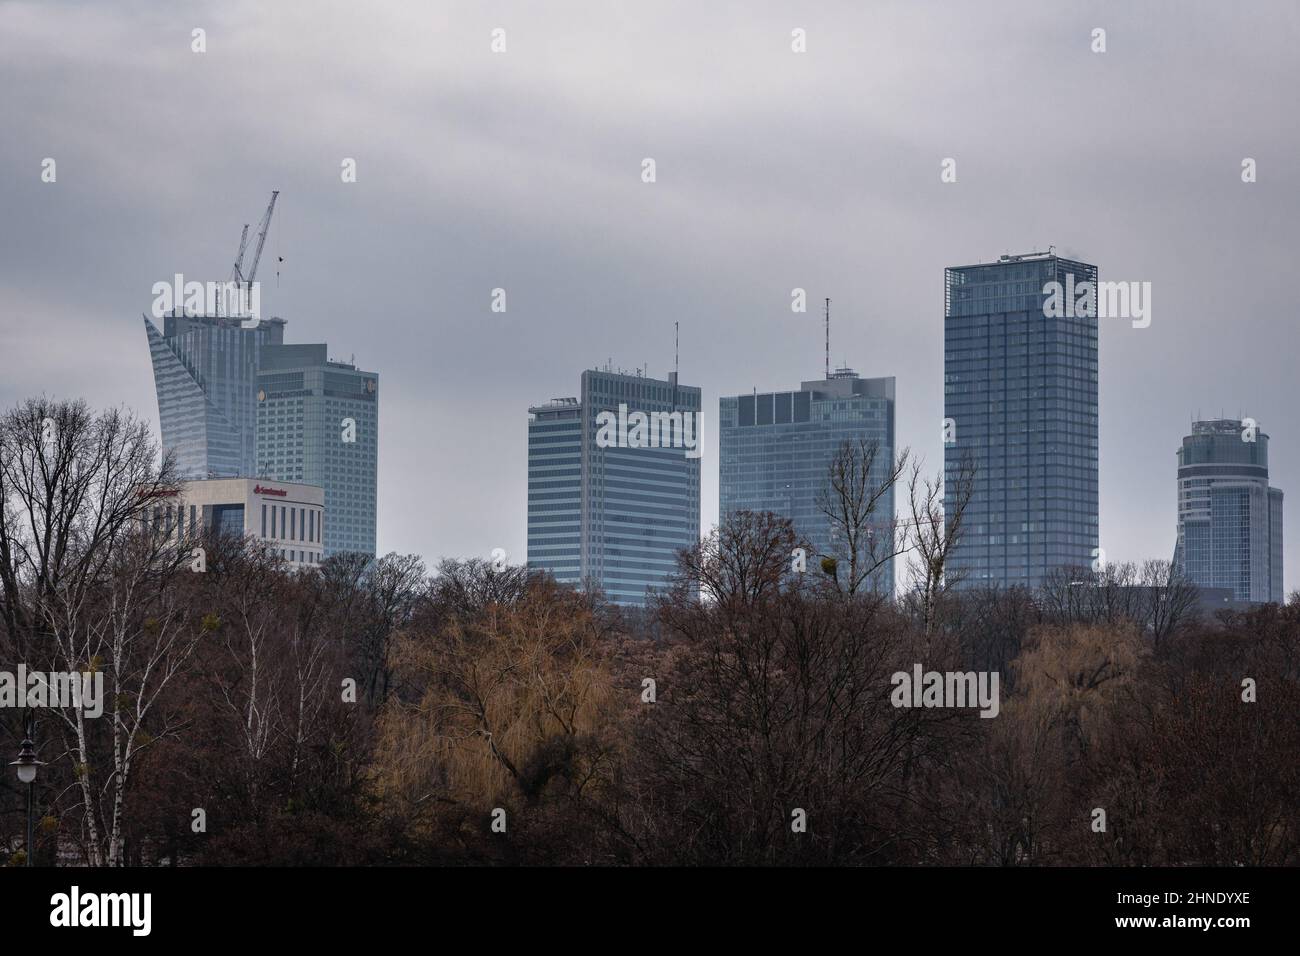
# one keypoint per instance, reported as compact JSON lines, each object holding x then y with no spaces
{"x":259,"y":490}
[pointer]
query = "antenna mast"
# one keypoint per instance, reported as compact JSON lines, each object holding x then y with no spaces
{"x":828,"y":339}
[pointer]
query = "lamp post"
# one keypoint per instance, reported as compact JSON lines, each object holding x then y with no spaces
{"x":26,"y":765}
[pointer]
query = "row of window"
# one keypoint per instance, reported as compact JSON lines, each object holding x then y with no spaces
{"x":292,"y":523}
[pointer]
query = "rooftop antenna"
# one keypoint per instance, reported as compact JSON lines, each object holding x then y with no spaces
{"x":677,"y":358}
{"x":828,"y":340}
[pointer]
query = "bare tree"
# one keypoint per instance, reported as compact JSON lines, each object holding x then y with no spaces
{"x":83,"y":588}
{"x":136,"y":632}
{"x":71,"y":483}
{"x":1173,"y":600}
{"x":1157,"y":596}
{"x":467,"y":588}
{"x":741,"y":562}
{"x":935,"y":527}
{"x":863,"y":540}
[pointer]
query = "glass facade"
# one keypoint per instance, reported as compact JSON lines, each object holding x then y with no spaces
{"x":775,"y":450}
{"x":228,"y":520}
{"x":555,"y":489}
{"x":1229,"y":519}
{"x":1020,"y":389}
{"x":318,"y":423}
{"x":205,"y":372}
{"x":607,"y":515}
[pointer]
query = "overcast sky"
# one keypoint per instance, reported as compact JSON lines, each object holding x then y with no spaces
{"x":775,"y":170}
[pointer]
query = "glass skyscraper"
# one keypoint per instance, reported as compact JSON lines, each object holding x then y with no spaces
{"x":775,"y":451}
{"x":318,"y":423}
{"x":205,"y":371}
{"x":614,"y":484}
{"x":555,"y":489}
{"x":1229,"y":519}
{"x":1020,"y":396}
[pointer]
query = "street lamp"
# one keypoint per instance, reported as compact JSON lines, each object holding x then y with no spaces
{"x":26,"y":766}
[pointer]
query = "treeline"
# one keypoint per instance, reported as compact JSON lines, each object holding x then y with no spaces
{"x":377,"y":713}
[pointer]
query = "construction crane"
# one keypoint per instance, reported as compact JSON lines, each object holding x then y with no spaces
{"x":262,"y":228}
{"x":237,"y":271}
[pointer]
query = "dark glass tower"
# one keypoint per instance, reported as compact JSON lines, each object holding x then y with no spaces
{"x":775,"y":451}
{"x":1229,"y":519}
{"x":1020,"y":389}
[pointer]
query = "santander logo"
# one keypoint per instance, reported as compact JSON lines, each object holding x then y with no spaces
{"x":263,"y":490}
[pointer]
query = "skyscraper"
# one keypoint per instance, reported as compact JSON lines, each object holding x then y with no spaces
{"x":1229,"y":519}
{"x":205,"y":371}
{"x":614,"y":483}
{"x":318,"y":422}
{"x":775,"y":450}
{"x":1020,"y":399}
{"x":555,"y":489}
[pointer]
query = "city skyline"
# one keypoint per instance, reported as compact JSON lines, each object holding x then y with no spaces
{"x":822,"y":190}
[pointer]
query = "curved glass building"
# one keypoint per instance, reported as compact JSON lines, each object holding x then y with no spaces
{"x":1229,"y":519}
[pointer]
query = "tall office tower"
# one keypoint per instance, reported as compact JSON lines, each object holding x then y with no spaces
{"x":555,"y":489}
{"x":205,"y":371}
{"x":775,"y":451}
{"x":1020,"y":393}
{"x":1229,"y":519}
{"x":318,"y":423}
{"x":614,"y":483}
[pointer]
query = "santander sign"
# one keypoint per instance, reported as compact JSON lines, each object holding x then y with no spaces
{"x":263,"y":490}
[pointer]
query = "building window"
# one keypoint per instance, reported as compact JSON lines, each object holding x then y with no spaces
{"x":293,"y":523}
{"x":263,"y":519}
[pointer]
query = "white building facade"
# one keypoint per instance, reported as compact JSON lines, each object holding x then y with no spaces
{"x":288,"y":516}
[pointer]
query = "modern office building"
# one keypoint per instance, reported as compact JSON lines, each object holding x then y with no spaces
{"x":288,"y":516}
{"x":1229,"y":519}
{"x":614,"y":483}
{"x":1020,"y":399}
{"x":318,"y":422}
{"x":555,"y":489}
{"x":775,"y":451}
{"x":235,"y":401}
{"x":205,"y":370}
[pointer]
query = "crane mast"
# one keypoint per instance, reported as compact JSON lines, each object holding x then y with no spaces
{"x":262,"y":228}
